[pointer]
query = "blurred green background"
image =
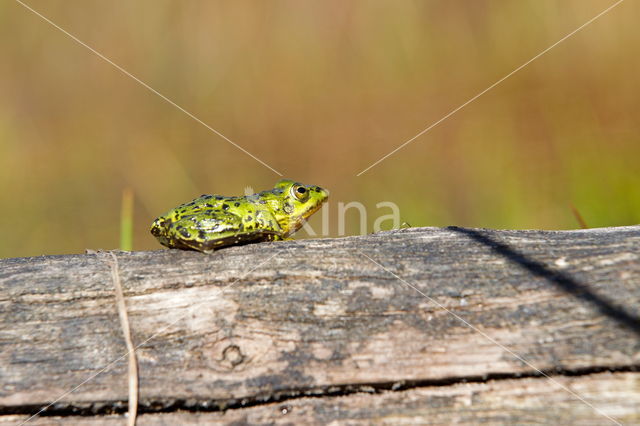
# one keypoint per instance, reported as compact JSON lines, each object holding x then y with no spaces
{"x":319,"y":91}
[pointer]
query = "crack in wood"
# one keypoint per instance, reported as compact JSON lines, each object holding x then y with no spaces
{"x":100,"y":408}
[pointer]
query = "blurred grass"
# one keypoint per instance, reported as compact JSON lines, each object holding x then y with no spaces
{"x":126,"y":220}
{"x":318,"y":90}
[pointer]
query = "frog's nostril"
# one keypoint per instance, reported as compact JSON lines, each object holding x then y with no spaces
{"x":321,"y":190}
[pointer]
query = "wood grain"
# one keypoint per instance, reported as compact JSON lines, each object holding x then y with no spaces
{"x":522,"y":401}
{"x":254,"y":324}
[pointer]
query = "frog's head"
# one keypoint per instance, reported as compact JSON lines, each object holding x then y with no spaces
{"x":296,"y":203}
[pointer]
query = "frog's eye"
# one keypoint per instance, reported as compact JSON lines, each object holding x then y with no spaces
{"x":300,"y":192}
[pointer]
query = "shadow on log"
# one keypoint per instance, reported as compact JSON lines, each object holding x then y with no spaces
{"x":499,"y":327}
{"x":564,"y":281}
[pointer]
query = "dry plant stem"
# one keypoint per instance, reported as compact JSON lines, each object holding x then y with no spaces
{"x":579,"y":218}
{"x":131,"y":352}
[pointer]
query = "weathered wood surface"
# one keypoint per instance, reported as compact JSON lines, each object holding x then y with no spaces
{"x":522,"y":401}
{"x":249,"y":326}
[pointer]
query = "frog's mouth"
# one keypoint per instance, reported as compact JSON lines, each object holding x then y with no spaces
{"x":299,"y":222}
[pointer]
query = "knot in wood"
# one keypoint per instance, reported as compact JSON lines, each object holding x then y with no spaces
{"x":233,"y":355}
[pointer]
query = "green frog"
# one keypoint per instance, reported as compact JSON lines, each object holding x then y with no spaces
{"x":213,"y":221}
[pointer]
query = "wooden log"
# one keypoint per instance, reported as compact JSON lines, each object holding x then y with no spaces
{"x":415,"y":310}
